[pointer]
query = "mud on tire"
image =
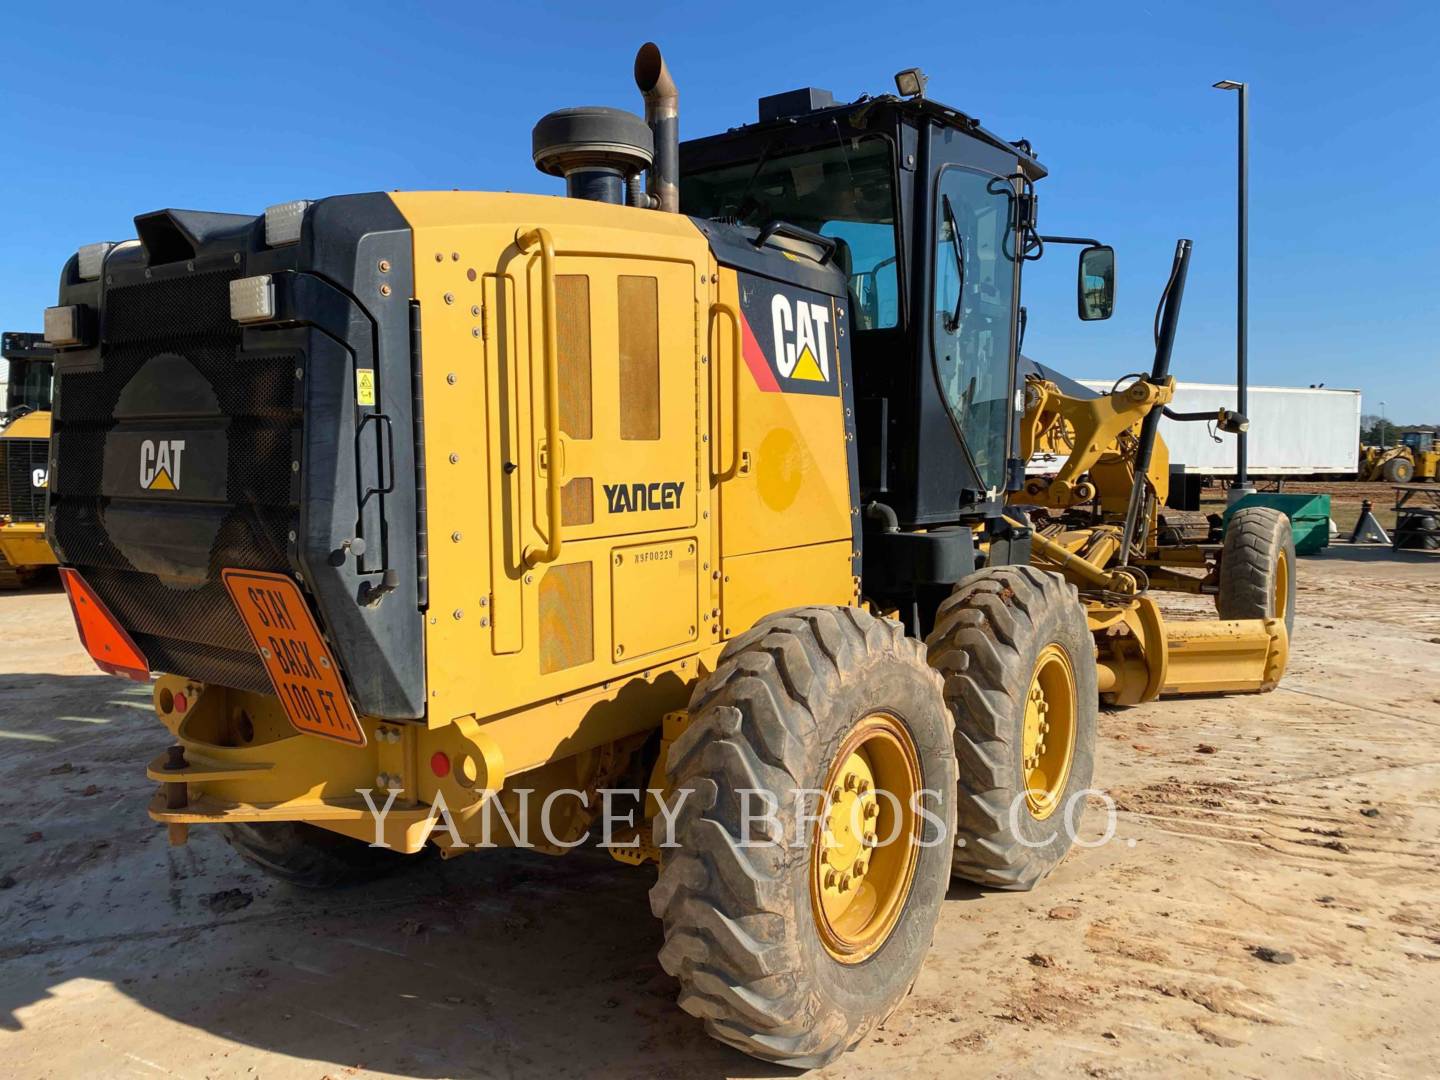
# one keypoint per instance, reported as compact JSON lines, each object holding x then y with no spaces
{"x":1259,"y":549}
{"x":309,"y":856}
{"x":741,"y":935}
{"x":988,"y":637}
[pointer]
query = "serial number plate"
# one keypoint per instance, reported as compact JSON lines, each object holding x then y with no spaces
{"x":300,"y":667}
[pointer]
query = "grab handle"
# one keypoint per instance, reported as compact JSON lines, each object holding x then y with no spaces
{"x":738,"y":364}
{"x":527,"y":240}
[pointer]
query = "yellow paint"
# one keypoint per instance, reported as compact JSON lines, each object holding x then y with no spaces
{"x":759,"y":583}
{"x":22,"y":543}
{"x":795,"y":489}
{"x":806,"y":367}
{"x":857,"y":886}
{"x":655,"y":589}
{"x":484,"y":368}
{"x":1048,"y":737}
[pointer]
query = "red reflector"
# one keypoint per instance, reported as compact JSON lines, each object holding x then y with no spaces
{"x":440,"y":764}
{"x":103,"y":637}
{"x":181,"y":703}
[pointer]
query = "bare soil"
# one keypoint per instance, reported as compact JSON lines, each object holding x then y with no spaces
{"x":1269,"y":903}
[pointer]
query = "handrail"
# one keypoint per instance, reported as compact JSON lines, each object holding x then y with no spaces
{"x":526,"y":240}
{"x":738,"y":362}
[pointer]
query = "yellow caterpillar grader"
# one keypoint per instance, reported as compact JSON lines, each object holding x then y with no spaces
{"x":445,"y":516}
{"x":24,"y":459}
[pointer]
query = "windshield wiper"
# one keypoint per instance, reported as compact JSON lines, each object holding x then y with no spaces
{"x":952,"y":322}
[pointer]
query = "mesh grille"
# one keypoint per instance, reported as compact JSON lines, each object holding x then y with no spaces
{"x":20,"y":499}
{"x":194,"y":631}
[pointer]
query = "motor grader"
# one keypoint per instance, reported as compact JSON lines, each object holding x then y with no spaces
{"x":24,"y":457}
{"x":428,"y":505}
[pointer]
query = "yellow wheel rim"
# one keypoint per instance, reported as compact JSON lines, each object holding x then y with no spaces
{"x":864,"y":850}
{"x":1049,"y":740}
{"x":1282,"y":585}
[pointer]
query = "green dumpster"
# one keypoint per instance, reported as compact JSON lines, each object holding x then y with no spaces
{"x":1309,"y":517}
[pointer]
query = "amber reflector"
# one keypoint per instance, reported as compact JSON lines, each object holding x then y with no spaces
{"x":103,"y":637}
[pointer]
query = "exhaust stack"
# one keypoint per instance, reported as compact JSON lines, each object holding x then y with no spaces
{"x":662,"y":113}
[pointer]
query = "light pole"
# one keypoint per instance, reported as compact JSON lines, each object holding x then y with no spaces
{"x":1384,"y":427}
{"x":1242,"y":484}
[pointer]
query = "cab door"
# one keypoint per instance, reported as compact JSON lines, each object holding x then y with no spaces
{"x":972,"y":314}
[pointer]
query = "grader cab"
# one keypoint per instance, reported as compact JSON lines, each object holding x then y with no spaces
{"x":691,"y":510}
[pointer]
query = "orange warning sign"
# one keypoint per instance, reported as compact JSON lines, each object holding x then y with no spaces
{"x":300,"y":667}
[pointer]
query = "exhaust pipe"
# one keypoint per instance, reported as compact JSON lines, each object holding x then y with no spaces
{"x":662,"y":113}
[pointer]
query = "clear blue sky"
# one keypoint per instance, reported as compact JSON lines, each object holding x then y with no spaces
{"x":109,"y":110}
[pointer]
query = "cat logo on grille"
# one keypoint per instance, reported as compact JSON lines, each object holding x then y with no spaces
{"x":160,"y":464}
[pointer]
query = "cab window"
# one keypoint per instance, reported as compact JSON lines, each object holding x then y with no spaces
{"x":843,"y":190}
{"x":972,"y":317}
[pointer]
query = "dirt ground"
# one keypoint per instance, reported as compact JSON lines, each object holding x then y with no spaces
{"x":1269,"y":904}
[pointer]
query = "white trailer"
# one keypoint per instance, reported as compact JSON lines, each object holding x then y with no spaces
{"x":1294,"y":430}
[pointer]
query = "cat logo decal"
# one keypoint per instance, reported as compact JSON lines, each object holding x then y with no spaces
{"x":160,"y":464}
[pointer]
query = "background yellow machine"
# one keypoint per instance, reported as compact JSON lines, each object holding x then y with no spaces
{"x":24,"y":459}
{"x":1414,"y":457}
{"x":440,"y":508}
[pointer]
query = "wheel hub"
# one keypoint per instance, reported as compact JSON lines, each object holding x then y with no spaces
{"x":1282,"y":586}
{"x":1048,"y":742}
{"x":864,"y":851}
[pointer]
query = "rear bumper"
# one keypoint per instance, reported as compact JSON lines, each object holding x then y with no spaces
{"x":242,"y":761}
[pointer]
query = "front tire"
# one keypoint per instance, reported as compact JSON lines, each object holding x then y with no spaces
{"x":1398,"y":470}
{"x":1018,"y":662}
{"x":792,"y":950}
{"x":1257,"y":568}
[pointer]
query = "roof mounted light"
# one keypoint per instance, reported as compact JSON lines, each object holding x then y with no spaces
{"x":252,"y":299}
{"x":283,"y":222}
{"x":911,"y":82}
{"x":91,"y":259}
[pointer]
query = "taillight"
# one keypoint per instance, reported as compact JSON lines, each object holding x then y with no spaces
{"x":103,"y":637}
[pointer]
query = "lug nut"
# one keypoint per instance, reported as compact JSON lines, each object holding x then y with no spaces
{"x":872,"y":810}
{"x":850,"y":781}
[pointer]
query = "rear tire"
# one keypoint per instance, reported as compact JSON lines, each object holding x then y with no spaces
{"x":1004,"y":634}
{"x":759,"y":953}
{"x":311,"y":857}
{"x":1398,"y":470}
{"x":1257,"y":568}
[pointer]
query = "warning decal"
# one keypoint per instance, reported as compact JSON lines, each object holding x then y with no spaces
{"x":300,"y":667}
{"x":364,"y":386}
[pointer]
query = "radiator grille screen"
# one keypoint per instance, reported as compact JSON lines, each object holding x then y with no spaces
{"x":189,"y":628}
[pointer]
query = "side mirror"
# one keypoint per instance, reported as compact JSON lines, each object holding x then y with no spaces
{"x":1095,"y":283}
